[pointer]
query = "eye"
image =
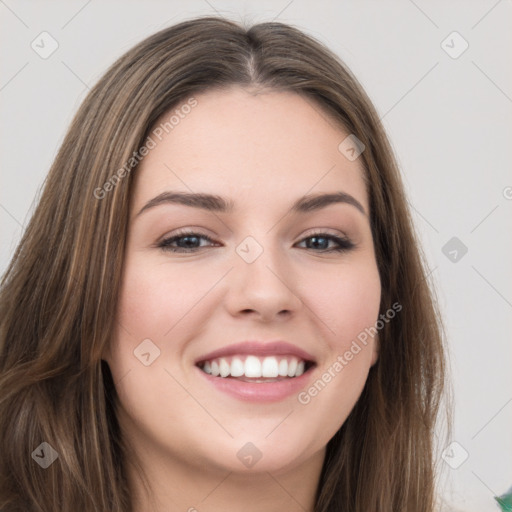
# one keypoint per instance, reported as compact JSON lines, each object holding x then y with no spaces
{"x":186,"y":242}
{"x":321,"y":241}
{"x":189,"y":241}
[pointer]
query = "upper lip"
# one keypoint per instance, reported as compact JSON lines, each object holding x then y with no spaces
{"x":259,"y":348}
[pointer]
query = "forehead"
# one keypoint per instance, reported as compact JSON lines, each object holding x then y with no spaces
{"x":251,"y":147}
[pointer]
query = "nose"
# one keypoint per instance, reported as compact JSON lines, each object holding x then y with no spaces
{"x":264,"y":289}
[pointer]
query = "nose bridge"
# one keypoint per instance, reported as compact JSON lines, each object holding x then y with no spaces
{"x":258,"y":253}
{"x":262,"y":280}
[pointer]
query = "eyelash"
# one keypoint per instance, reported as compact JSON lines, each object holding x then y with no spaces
{"x":344,"y":244}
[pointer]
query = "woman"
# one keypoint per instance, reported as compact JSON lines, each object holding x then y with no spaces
{"x":220,"y":302}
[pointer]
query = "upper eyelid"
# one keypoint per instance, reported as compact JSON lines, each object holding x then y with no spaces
{"x":317,"y":232}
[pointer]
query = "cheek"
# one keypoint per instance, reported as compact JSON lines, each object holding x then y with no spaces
{"x":348,"y":305}
{"x":145,"y":311}
{"x":161,"y":303}
{"x":155,"y":297}
{"x":152,"y":300}
{"x":347,"y":302}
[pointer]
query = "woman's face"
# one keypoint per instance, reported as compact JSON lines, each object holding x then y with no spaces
{"x":248,"y":282}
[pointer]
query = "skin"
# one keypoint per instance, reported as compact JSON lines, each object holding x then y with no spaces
{"x":263,"y":150}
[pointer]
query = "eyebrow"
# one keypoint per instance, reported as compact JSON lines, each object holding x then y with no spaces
{"x":215,"y":203}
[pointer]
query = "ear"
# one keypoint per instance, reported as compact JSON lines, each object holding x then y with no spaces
{"x":375,"y":350}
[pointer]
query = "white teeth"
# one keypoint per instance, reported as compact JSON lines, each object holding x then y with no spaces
{"x":283,"y":368}
{"x":269,"y":368}
{"x":252,"y":367}
{"x":292,"y":366}
{"x":255,"y":367}
{"x":224,"y":367}
{"x":237,"y":367}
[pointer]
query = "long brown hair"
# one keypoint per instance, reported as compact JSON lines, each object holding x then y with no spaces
{"x":59,"y":293}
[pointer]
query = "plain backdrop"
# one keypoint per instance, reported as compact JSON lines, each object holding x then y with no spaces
{"x":439,"y":75}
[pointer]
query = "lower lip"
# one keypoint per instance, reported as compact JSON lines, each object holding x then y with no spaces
{"x":259,"y":391}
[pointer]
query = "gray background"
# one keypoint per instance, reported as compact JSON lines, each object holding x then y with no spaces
{"x":449,"y":120}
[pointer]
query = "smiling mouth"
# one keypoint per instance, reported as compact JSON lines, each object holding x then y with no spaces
{"x":252,"y":368}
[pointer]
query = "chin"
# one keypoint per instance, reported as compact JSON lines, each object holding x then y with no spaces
{"x":259,"y":455}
